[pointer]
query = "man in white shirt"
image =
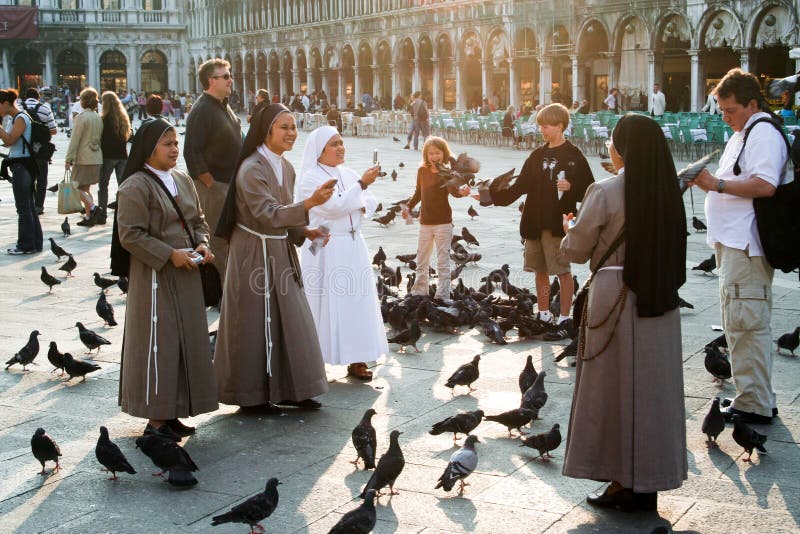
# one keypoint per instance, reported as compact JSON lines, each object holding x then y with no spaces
{"x":611,"y":100}
{"x":658,"y":102}
{"x":745,"y":277}
{"x":711,"y":104}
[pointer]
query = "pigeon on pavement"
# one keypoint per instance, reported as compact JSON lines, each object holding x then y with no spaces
{"x":706,"y":266}
{"x":528,"y":375}
{"x":389,"y":468}
{"x":48,"y":279}
{"x":379,"y":257}
{"x":462,"y":423}
{"x":713,"y":424}
{"x":747,"y":438}
{"x":57,"y":250}
{"x":45,"y":449}
{"x":407,"y":337}
{"x":75,"y":367}
{"x":170,"y":457}
{"x":789,"y":341}
{"x":464,"y":375}
{"x":55,"y":358}
{"x":65,"y":229}
{"x":253,"y":510}
{"x":462,"y":463}
{"x":360,"y":520}
{"x":69,"y":265}
{"x":105,"y":311}
{"x":103,"y":283}
{"x":471,"y":212}
{"x":717,"y":364}
{"x":110,"y":457}
{"x":91,"y":339}
{"x":26,"y":354}
{"x":698,"y":225}
{"x":468,"y":237}
{"x":385,"y":219}
{"x":122,"y":283}
{"x":544,"y":442}
{"x":365,"y":440}
{"x":535,"y":397}
{"x":514,"y":419}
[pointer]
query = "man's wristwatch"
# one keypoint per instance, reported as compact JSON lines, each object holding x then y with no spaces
{"x":721,"y":186}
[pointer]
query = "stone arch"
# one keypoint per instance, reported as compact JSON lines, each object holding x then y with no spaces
{"x":405,"y":53}
{"x":383,"y":58}
{"x":153,"y":64}
{"x":347,"y":93}
{"x":498,"y":50}
{"x":719,"y":27}
{"x":672,"y":37}
{"x":559,"y":46}
{"x":365,"y":61}
{"x":287,"y":65}
{"x":274,"y":74}
{"x":594,"y":67}
{"x":770,"y":33}
{"x":631,"y":43}
{"x":425,"y":53}
{"x":525,"y":51}
{"x":192,"y":75}
{"x":262,"y":71}
{"x":445,"y":53}
{"x":301,"y":66}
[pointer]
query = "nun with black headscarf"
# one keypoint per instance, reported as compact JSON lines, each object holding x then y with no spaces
{"x":627,"y":424}
{"x":167,"y":372}
{"x":267,"y":350}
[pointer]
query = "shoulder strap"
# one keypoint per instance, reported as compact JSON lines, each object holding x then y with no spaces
{"x":174,"y":205}
{"x":737,"y":170}
{"x":614,"y":246}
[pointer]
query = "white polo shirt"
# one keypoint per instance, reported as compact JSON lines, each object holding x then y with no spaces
{"x":731,"y":219}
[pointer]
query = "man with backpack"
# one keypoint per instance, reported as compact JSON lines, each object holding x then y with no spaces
{"x":752,"y":167}
{"x":43,"y":129}
{"x":419,"y":124}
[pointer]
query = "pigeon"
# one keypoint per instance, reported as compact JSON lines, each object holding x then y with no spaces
{"x":544,"y":442}
{"x":405,"y":258}
{"x":55,"y":358}
{"x":386,"y":219}
{"x":683,"y":304}
{"x":407,"y":337}
{"x":719,"y":342}
{"x":379,"y":207}
{"x":717,"y":364}
{"x":515,"y":419}
{"x":379,"y":257}
{"x":90,"y":339}
{"x":464,"y":375}
{"x":48,"y":279}
{"x":75,"y":367}
{"x":103,"y":283}
{"x":45,"y":449}
{"x":104,"y":310}
{"x":535,"y":397}
{"x":471,"y":212}
{"x":69,"y":265}
{"x":361,"y":520}
{"x":789,"y":84}
{"x":747,"y":438}
{"x":527,"y":376}
{"x":253,"y":510}
{"x":53,"y":188}
{"x":396,"y":140}
{"x":412,"y":278}
{"x":122,"y":283}
{"x":462,"y":463}
{"x":170,"y":457}
{"x":401,"y":164}
{"x":65,"y":228}
{"x":462,"y":423}
{"x":113,"y":205}
{"x":394,"y":175}
{"x":706,"y":266}
{"x":57,"y":250}
{"x":389,"y":468}
{"x":789,"y":341}
{"x":110,"y":457}
{"x":713,"y":424}
{"x":468,"y":237}
{"x":698,"y":225}
{"x":26,"y":354}
{"x":569,"y":350}
{"x":365,"y":441}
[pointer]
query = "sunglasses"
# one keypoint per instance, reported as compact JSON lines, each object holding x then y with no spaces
{"x":226,"y":76}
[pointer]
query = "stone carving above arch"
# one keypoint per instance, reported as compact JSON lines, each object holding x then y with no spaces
{"x":498,"y":49}
{"x":776,"y":27}
{"x":723,"y":30}
{"x":676,"y":28}
{"x":472,"y":47}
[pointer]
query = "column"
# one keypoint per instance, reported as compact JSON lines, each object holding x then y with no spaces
{"x":284,"y":89}
{"x":545,"y":81}
{"x":395,"y":83}
{"x":437,"y":85}
{"x":172,"y":75}
{"x":49,"y":79}
{"x":376,"y":81}
{"x":323,"y":73}
{"x":694,"y":57}
{"x":575,"y":85}
{"x":6,"y":73}
{"x":744,"y":54}
{"x":341,"y":98}
{"x":612,"y":70}
{"x":513,"y":84}
{"x":133,"y":68}
{"x":461,"y":102}
{"x":91,"y":66}
{"x":416,"y":81}
{"x":296,"y":80}
{"x":484,"y":79}
{"x":651,"y":76}
{"x":356,"y":85}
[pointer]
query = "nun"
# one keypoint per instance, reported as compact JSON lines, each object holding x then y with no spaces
{"x":267,"y":352}
{"x":166,"y":369}
{"x":339,"y":281}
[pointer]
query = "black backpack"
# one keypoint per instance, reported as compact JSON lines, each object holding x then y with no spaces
{"x":40,"y":146}
{"x":777,"y":217}
{"x":422,"y":114}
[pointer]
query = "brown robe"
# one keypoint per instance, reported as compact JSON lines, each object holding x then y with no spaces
{"x":628,"y":419}
{"x":240,"y":358}
{"x":181,"y":378}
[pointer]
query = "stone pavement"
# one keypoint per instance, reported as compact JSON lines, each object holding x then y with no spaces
{"x":309,"y":452}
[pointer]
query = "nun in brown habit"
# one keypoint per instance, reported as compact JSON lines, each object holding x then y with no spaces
{"x":166,"y":361}
{"x":628,"y":422}
{"x":267,"y":349}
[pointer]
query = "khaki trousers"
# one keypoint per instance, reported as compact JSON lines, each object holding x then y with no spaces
{"x":745,"y":292}
{"x":430,"y":235}
{"x":212,"y":200}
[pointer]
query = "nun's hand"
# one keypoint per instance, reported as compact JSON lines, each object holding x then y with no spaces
{"x":182,"y":259}
{"x":208,"y":256}
{"x":315,"y":233}
{"x":370,"y":175}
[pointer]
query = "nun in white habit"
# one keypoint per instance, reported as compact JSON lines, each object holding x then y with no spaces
{"x":338,"y":279}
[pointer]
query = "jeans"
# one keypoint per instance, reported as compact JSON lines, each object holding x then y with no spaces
{"x":418,"y":128}
{"x":142,"y":112}
{"x":41,"y":183}
{"x":109,"y":165}
{"x":29,"y":230}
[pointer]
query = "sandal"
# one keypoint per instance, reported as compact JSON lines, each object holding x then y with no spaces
{"x":359,"y":371}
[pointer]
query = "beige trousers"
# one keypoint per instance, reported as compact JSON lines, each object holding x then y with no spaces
{"x":745,"y":292}
{"x":430,"y":235}
{"x":212,"y":200}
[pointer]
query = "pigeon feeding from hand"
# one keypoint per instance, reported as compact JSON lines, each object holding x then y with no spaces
{"x":462,"y":423}
{"x":254,"y":510}
{"x":471,"y":212}
{"x":103,"y":283}
{"x":468,"y":237}
{"x":65,"y":228}
{"x":170,"y":457}
{"x":514,"y":419}
{"x":789,"y":341}
{"x":365,"y":440}
{"x":48,"y":279}
{"x":80,"y":368}
{"x":747,"y":438}
{"x":544,"y":442}
{"x":698,"y":225}
{"x":717,"y":364}
{"x":122,"y":283}
{"x":536,"y":397}
{"x":465,"y":375}
{"x":69,"y":265}
{"x":110,"y":456}
{"x":408,"y":337}
{"x":91,"y":339}
{"x":462,"y":463}
{"x":45,"y":449}
{"x":57,"y":250}
{"x":104,"y":310}
{"x":706,"y":266}
{"x":527,"y":376}
{"x":55,"y":358}
{"x":389,"y":467}
{"x":360,"y":520}
{"x":26,"y":354}
{"x":713,"y":424}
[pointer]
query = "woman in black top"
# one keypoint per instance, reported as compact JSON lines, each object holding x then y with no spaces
{"x":113,"y":143}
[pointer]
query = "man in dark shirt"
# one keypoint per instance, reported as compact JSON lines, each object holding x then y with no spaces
{"x":554,"y":177}
{"x":213,"y":143}
{"x":40,"y":111}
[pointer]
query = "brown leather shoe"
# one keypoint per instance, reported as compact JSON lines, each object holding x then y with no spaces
{"x":359,"y":370}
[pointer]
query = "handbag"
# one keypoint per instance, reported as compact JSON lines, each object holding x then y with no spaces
{"x":580,"y":298}
{"x":69,"y":197}
{"x":209,"y":275}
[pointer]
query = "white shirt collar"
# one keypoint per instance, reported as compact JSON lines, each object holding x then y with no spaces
{"x":166,"y":177}
{"x":274,"y":160}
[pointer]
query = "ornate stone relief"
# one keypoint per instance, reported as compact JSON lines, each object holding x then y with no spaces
{"x":776,"y":27}
{"x":676,"y":28}
{"x":498,"y":47}
{"x":722,"y":31}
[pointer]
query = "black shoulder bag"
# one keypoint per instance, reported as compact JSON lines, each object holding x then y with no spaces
{"x":209,"y":275}
{"x":580,"y":298}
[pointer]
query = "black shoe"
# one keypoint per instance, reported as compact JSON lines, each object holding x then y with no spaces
{"x":623,"y":500}
{"x":727,"y":402}
{"x":18,"y":252}
{"x":83,"y":222}
{"x":40,"y":211}
{"x":562,"y":330}
{"x":646,"y":501}
{"x":261,"y":409}
{"x":96,"y":215}
{"x":164,"y":431}
{"x":746,"y":417}
{"x":308,"y":404}
{"x":180,"y":429}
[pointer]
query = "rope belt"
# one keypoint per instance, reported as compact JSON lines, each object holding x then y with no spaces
{"x":152,"y":346}
{"x":267,"y":315}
